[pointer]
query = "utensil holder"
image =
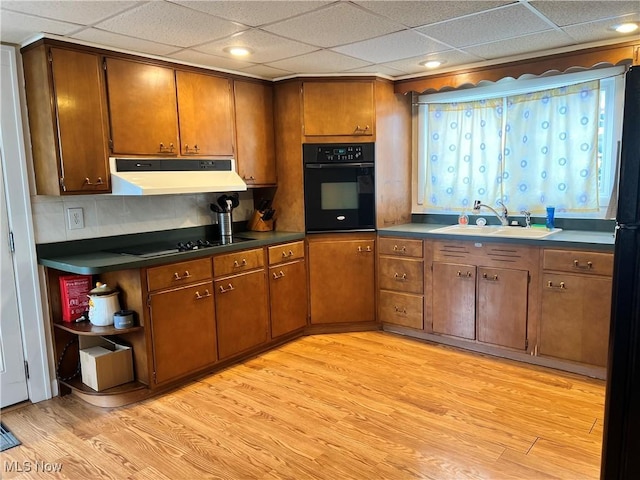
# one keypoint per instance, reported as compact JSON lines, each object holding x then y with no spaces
{"x":258,"y":224}
{"x":225,"y":224}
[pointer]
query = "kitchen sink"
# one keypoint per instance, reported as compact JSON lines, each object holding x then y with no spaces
{"x":496,"y":231}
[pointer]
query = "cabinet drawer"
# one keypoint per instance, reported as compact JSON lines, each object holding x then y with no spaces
{"x":401,"y":309}
{"x":237,"y":262}
{"x":401,"y":274}
{"x":400,"y":246}
{"x":178,"y":274}
{"x":576,"y":261}
{"x":286,"y":252}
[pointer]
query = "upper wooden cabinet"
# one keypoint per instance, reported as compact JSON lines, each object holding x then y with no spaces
{"x":205,"y":112}
{"x":255,"y":133}
{"x":67,"y":120}
{"x":156,"y":110}
{"x":142,"y":108}
{"x":338,"y":108}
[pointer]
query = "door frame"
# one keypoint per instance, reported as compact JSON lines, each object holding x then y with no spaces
{"x":36,"y":332}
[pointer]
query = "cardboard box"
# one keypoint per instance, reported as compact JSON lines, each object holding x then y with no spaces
{"x":104,"y":363}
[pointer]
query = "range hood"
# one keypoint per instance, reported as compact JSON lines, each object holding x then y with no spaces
{"x":158,"y":176}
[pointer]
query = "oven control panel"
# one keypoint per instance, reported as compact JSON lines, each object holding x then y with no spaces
{"x":338,"y":153}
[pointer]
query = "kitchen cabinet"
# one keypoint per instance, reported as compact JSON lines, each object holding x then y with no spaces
{"x":182,"y":317}
{"x":68,"y":121}
{"x":401,"y":282}
{"x":241,"y":302}
{"x":255,"y":153}
{"x":576,"y":305}
{"x":205,"y":111}
{"x":287,"y":288}
{"x":481,"y":292}
{"x":142,"y":108}
{"x":338,"y":108}
{"x":341,"y":278}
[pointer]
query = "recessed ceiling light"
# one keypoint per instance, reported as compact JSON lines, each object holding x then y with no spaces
{"x":238,"y":51}
{"x":432,"y":63}
{"x":626,"y":27}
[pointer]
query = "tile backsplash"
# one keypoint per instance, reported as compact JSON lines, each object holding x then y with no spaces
{"x":108,"y":215}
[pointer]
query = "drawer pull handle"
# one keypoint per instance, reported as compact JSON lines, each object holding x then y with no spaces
{"x":285,"y":254}
{"x":99,"y":181}
{"x":399,"y":249}
{"x":588,"y":266}
{"x":176,"y":275}
{"x":237,"y":264}
{"x":401,"y":310}
{"x":225,"y":290}
{"x":460,"y":274}
{"x":559,"y":287}
{"x":164,"y":149}
{"x":487,"y":277}
{"x":278,"y":275}
{"x":367,"y":250}
{"x":400,"y":277}
{"x":207,"y":293}
{"x":191,"y":150}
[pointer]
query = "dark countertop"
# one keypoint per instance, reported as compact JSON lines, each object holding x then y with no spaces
{"x":89,"y":257}
{"x":576,"y":239}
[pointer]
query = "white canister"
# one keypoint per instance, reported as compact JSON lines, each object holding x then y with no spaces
{"x":103,"y":303}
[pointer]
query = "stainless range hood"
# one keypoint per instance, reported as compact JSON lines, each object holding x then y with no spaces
{"x":158,"y":176}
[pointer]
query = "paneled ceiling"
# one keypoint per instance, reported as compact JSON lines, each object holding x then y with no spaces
{"x":286,"y":38}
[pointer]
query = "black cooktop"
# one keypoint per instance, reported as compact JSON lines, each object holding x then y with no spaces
{"x":167,"y":247}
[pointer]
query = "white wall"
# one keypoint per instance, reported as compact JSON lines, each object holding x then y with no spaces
{"x":107,"y":215}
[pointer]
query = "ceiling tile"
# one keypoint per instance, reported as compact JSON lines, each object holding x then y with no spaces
{"x":266,"y":71}
{"x":79,"y":11}
{"x":160,"y":21}
{"x":266,"y":46}
{"x":199,"y":58}
{"x":499,"y":24}
{"x":110,"y":39}
{"x":253,"y":13}
{"x":537,"y":42}
{"x":18,"y":28}
{"x":590,"y":32}
{"x":414,"y":14}
{"x":451,"y":58}
{"x":322,"y":61}
{"x":382,"y":69}
{"x":394,"y":46}
{"x":338,"y":24}
{"x":570,"y":13}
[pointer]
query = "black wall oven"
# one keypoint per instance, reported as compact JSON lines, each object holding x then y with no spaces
{"x":339,"y":187}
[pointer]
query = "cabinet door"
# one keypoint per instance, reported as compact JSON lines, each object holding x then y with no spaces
{"x":205,"y":113}
{"x":288,"y":292}
{"x":575,"y":316}
{"x":183,"y":329}
{"x":338,"y":108}
{"x":502,"y":306}
{"x":255,"y":133}
{"x":142,"y":107}
{"x":341,"y":281}
{"x":454,"y":294}
{"x":242,"y":312}
{"x":81,"y":111}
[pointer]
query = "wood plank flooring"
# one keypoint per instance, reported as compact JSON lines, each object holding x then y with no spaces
{"x":366,"y":405}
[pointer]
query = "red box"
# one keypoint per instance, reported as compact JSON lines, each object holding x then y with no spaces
{"x":74,"y":296}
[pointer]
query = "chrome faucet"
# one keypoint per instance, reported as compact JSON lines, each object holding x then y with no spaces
{"x":527,"y":218}
{"x":502,"y":216}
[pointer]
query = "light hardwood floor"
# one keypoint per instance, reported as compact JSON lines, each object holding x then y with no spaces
{"x":347,"y":406}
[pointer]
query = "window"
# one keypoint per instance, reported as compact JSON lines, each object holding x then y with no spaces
{"x":526,"y":143}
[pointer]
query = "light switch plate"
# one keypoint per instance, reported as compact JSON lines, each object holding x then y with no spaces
{"x":75,"y":218}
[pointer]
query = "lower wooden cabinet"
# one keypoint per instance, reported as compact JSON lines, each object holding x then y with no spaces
{"x":454,"y":299}
{"x":242,"y":312}
{"x":183,"y":329}
{"x":342,"y":279}
{"x":288,"y":295}
{"x":401,"y":309}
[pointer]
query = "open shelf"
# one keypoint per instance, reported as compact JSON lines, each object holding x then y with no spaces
{"x":87,"y":328}
{"x":77,"y":385}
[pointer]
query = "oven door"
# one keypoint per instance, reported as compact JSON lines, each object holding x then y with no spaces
{"x":339,"y":197}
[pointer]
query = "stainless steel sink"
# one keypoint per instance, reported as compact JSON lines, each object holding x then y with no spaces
{"x":496,"y":231}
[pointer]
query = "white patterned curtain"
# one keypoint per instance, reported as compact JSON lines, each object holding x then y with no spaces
{"x":463,"y":154}
{"x":551,"y":149}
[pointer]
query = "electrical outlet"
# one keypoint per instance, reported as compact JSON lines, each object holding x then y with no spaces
{"x":75,"y":218}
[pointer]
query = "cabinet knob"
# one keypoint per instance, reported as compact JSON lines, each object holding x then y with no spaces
{"x":493,"y":278}
{"x":359,"y":129}
{"x":187,"y":149}
{"x":467,"y":274}
{"x":287,"y":255}
{"x":228,"y":289}
{"x":177,"y":276}
{"x":242,"y":263}
{"x":397,"y":276}
{"x":401,"y":310}
{"x":206,"y":294}
{"x":278,"y":275}
{"x":588,"y":266}
{"x":249,"y":179}
{"x":99,"y":181}
{"x":399,"y":249}
{"x":367,"y":249}
{"x":164,"y":149}
{"x":559,"y":287}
